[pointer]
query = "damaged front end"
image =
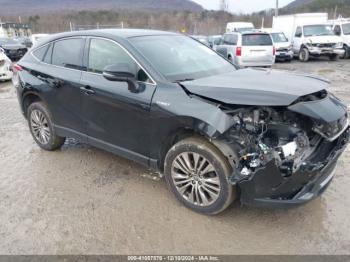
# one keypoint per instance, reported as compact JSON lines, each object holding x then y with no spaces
{"x":286,"y":156}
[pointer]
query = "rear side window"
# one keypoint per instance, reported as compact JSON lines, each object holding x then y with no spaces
{"x":40,"y":52}
{"x":230,"y":39}
{"x":48,"y":55}
{"x":68,"y":53}
{"x":256,"y":40}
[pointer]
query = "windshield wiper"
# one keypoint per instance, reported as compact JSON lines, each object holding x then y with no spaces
{"x":183,"y":80}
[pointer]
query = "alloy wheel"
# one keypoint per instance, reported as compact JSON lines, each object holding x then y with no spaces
{"x":40,"y":127}
{"x":195,"y":178}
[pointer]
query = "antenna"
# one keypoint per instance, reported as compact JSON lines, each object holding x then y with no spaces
{"x":224,"y":5}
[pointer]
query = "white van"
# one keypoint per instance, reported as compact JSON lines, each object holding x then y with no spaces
{"x":239,"y":27}
{"x":341,"y":28}
{"x":248,"y":49}
{"x":310,"y":35}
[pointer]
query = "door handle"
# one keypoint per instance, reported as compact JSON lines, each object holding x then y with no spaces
{"x":57,"y":83}
{"x":41,"y":78}
{"x":87,"y":90}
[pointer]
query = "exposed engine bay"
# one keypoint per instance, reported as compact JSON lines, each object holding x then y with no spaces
{"x":262,"y":134}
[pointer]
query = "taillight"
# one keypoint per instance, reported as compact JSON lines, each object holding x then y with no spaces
{"x":274,"y":51}
{"x":238,"y":51}
{"x":17,"y":67}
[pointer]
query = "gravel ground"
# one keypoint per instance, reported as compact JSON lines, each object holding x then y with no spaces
{"x":81,"y":200}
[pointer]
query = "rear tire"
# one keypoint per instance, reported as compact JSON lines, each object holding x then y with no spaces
{"x":304,"y":55}
{"x":197,"y":173}
{"x":41,"y":127}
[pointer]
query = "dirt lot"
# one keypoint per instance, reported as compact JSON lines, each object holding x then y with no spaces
{"x":81,"y":200}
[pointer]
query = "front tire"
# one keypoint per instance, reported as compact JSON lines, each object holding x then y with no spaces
{"x":41,"y":127}
{"x":197,"y":173}
{"x":304,"y":55}
{"x":346,"y":52}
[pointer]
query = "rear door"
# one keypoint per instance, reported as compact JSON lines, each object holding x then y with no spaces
{"x":257,"y":47}
{"x":60,"y":71}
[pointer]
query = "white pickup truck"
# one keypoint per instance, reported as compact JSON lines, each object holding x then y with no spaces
{"x":310,"y":35}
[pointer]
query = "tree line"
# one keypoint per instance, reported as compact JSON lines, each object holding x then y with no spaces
{"x":204,"y":22}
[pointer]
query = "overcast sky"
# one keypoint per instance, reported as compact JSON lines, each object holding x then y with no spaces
{"x":243,"y":6}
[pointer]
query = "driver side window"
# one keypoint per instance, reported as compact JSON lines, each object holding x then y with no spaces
{"x":103,"y":53}
{"x":298,"y":32}
{"x":337,"y":30}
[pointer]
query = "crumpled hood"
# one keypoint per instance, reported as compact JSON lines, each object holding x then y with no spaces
{"x":325,"y":39}
{"x":256,"y":87}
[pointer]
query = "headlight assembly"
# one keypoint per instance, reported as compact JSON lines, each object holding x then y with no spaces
{"x":339,"y":45}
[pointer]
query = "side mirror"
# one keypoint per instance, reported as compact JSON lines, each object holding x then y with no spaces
{"x":118,"y":72}
{"x":122,"y":72}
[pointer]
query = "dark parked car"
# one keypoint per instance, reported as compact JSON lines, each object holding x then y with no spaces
{"x":24,"y":41}
{"x":13,"y":49}
{"x":265,"y":137}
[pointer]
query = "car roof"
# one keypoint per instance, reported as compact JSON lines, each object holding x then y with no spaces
{"x":119,"y":33}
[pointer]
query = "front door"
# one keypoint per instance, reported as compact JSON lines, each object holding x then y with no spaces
{"x":297,"y":40}
{"x":117,"y":118}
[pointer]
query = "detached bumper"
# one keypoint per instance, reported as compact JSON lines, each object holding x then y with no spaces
{"x":326,"y":51}
{"x":268,"y":188}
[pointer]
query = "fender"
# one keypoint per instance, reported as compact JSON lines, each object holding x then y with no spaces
{"x":203,"y":116}
{"x":176,"y":113}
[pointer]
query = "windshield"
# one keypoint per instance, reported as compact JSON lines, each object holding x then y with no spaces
{"x":318,"y":30}
{"x":7,"y":41}
{"x":279,"y":38}
{"x":346,"y":29}
{"x":180,"y":58}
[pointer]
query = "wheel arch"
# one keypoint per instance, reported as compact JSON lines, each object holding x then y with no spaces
{"x":184,"y":132}
{"x":28,"y":98}
{"x":303,"y":46}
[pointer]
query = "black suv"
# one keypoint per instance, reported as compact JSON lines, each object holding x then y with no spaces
{"x":265,"y":137}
